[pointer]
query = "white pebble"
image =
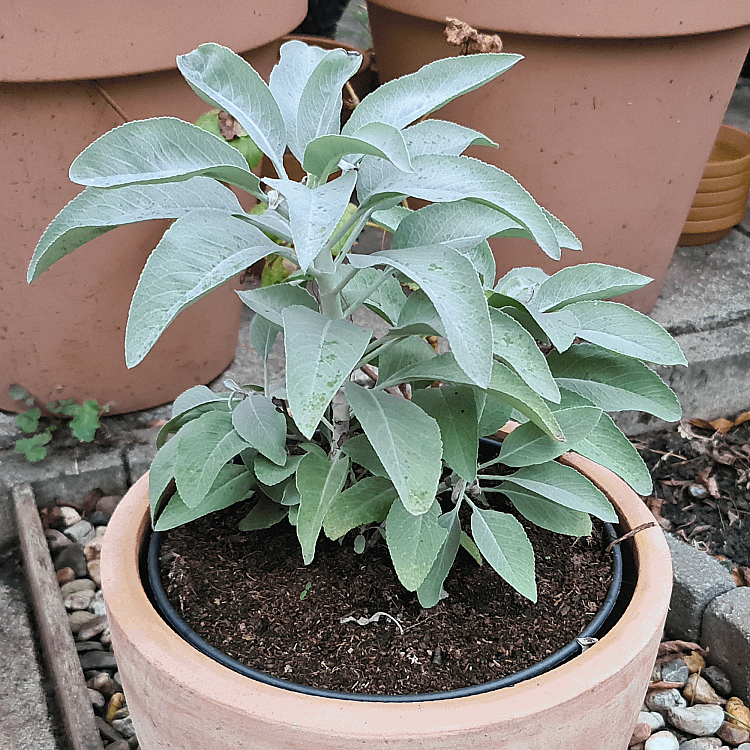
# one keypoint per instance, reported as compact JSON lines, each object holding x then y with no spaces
{"x":662,"y":741}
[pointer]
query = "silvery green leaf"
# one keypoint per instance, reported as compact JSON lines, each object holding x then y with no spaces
{"x":198,"y":253}
{"x":406,"y":440}
{"x":564,"y":486}
{"x":366,"y":501}
{"x":584,"y":282}
{"x":375,"y":139}
{"x":403,"y":355}
{"x":270,"y":223}
{"x":96,"y":211}
{"x":319,"y":481}
{"x":232,"y":485}
{"x":319,"y":111}
{"x":515,"y":346}
{"x":360,"y":451}
{"x":442,"y":137}
{"x":224,"y":80}
{"x":288,"y":79}
{"x":454,"y":224}
{"x":161,"y":475}
{"x":528,"y":445}
{"x":262,"y":335}
{"x":314,"y":213}
{"x":261,"y":426}
{"x":521,"y":284}
{"x":607,"y":446}
{"x":195,"y":396}
{"x":493,"y":410}
{"x":271,"y":301}
{"x":270,"y":473}
{"x":548,"y":515}
{"x":441,"y":179}
{"x":414,"y":542}
{"x":431,"y":588}
{"x":264,"y":514}
{"x":452,"y":285}
{"x":175,"y":424}
{"x":613,"y":382}
{"x":565,"y":237}
{"x":205,"y":446}
{"x":419,"y":317}
{"x":560,"y":326}
{"x":162,"y":149}
{"x":387,"y":300}
{"x":504,"y":544}
{"x":504,"y":383}
{"x":454,"y":409}
{"x":320,"y":355}
{"x":390,"y":219}
{"x":622,"y":329}
{"x":404,"y":100}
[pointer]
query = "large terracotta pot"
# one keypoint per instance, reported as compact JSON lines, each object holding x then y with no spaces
{"x":609,"y":119}
{"x":63,"y":336}
{"x":179,"y":698}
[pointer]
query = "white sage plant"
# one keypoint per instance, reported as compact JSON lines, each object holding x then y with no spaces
{"x":365,"y":432}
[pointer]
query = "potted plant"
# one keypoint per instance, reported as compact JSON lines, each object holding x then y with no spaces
{"x":609,"y":123}
{"x":546,"y":350}
{"x":64,"y":82}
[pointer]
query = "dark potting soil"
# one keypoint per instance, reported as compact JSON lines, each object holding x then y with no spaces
{"x":249,"y":595}
{"x":702,"y":488}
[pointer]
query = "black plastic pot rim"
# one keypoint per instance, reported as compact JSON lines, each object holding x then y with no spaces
{"x":153,"y":585}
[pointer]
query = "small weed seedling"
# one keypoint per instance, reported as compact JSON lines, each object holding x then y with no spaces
{"x":83,"y":424}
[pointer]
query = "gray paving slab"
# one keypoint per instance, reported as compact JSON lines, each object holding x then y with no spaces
{"x":697,"y":580}
{"x":726,"y":628}
{"x":25,"y":723}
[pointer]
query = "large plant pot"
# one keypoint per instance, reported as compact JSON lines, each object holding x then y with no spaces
{"x":63,"y":336}
{"x":180,"y":698}
{"x":608,"y":121}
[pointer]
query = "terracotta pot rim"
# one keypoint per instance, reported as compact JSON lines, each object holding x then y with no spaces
{"x":144,"y":628}
{"x":720,"y":197}
{"x":606,"y":19}
{"x":715,"y":184}
{"x":718,"y":211}
{"x":738,"y":140}
{"x":714,"y":225}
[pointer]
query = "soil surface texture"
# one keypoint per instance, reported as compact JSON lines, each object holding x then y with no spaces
{"x":249,"y":595}
{"x":702,"y":489}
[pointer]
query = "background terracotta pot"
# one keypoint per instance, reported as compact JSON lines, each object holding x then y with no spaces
{"x":180,"y":698}
{"x":63,"y":336}
{"x":609,"y":119}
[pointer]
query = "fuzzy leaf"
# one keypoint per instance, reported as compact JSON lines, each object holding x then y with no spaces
{"x":224,"y":80}
{"x":584,"y":282}
{"x":320,"y":355}
{"x":406,"y":440}
{"x":205,"y":446}
{"x":515,"y":346}
{"x":319,"y":481}
{"x":232,"y":485}
{"x":197,"y":253}
{"x":549,"y":515}
{"x":315,"y":213}
{"x":504,"y":544}
{"x":443,"y":137}
{"x":261,"y":426}
{"x":264,"y":514}
{"x":431,"y":588}
{"x":452,"y":285}
{"x":367,"y":501}
{"x":454,"y":409}
{"x":621,"y":329}
{"x":404,"y":100}
{"x":162,"y":149}
{"x":414,"y":542}
{"x":564,"y":486}
{"x":96,"y":211}
{"x":613,"y":382}
{"x":271,"y":301}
